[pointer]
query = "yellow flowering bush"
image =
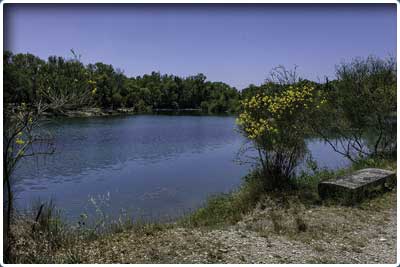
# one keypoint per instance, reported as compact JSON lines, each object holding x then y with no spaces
{"x":266,"y":114}
{"x":277,"y":124}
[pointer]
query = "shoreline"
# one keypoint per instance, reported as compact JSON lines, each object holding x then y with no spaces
{"x":295,"y":228}
{"x":99,"y":112}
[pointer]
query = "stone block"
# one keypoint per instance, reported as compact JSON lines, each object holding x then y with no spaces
{"x":358,"y":185}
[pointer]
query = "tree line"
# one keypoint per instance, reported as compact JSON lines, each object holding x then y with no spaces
{"x":69,"y":84}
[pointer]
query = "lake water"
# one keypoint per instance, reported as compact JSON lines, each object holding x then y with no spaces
{"x":148,"y":166}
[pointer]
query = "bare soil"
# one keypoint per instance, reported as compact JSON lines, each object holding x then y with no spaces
{"x":273,"y":233}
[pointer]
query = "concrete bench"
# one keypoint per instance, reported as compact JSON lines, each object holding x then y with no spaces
{"x":358,"y":185}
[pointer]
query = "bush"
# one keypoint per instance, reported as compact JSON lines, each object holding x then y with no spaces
{"x":277,"y":125}
{"x":362,"y":109}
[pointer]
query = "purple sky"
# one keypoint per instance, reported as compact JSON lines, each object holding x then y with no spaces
{"x":236,"y":44}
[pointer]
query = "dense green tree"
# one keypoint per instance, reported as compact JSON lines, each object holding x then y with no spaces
{"x":72,"y":85}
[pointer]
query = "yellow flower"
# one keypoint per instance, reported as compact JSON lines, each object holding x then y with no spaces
{"x":19,"y":141}
{"x":262,"y":113}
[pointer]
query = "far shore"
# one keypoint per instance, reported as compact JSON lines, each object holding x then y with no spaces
{"x":99,"y":112}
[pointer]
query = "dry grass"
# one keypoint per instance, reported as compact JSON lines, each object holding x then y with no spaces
{"x":332,"y":235}
{"x":274,"y":232}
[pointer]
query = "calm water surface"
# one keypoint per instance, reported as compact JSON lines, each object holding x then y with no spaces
{"x":151,"y":166}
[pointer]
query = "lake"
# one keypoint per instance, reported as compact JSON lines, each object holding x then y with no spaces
{"x":151,"y":166}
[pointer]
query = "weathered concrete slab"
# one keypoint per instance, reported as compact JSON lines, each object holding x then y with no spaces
{"x":357,"y":185}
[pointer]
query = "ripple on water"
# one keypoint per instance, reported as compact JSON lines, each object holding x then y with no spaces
{"x":142,"y":161}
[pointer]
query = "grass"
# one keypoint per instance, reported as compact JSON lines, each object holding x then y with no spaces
{"x":225,"y":209}
{"x":41,"y":236}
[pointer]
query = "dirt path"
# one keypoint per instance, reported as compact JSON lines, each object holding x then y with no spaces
{"x":321,"y":234}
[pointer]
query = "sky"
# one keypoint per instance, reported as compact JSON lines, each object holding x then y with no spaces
{"x":235,"y":43}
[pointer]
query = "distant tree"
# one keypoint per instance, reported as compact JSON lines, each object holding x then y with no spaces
{"x":68,"y":84}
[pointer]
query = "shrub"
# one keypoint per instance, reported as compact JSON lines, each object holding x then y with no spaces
{"x":362,"y":109}
{"x":277,"y":124}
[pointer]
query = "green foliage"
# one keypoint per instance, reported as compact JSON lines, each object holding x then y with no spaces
{"x":355,"y":114}
{"x":48,"y":223}
{"x":23,"y":76}
{"x":375,"y":162}
{"x":277,"y":123}
{"x":228,"y":208}
{"x":116,"y":100}
{"x":361,"y":109}
{"x":27,"y":78}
